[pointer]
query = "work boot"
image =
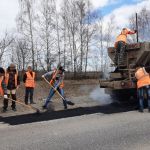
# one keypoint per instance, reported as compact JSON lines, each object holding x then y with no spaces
{"x":4,"y":110}
{"x":141,"y":110}
{"x":32,"y":103}
{"x":44,"y":107}
{"x":14,"y":109}
{"x":65,"y":104}
{"x":70,"y":103}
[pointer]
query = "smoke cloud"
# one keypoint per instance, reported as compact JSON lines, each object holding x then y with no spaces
{"x":98,"y":94}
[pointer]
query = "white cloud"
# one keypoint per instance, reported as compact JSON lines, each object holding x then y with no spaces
{"x":123,"y":13}
{"x":102,"y":3}
{"x":99,"y":3}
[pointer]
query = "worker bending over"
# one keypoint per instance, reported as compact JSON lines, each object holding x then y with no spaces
{"x":57,"y":81}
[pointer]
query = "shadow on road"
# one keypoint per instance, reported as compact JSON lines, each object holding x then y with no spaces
{"x":45,"y":116}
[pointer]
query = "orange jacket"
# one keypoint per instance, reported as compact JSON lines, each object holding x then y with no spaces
{"x":30,"y":81}
{"x":142,"y":77}
{"x":123,"y":36}
{"x":52,"y":81}
{"x":7,"y":78}
{"x":1,"y":89}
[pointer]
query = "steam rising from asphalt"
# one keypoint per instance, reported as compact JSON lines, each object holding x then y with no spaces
{"x":98,"y":94}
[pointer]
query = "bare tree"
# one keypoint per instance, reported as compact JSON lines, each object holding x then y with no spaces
{"x":68,"y":35}
{"x":23,"y":52}
{"x":4,"y":44}
{"x":57,"y":30}
{"x":71,"y":24}
{"x":47,"y":30}
{"x":100,"y":41}
{"x":143,"y":24}
{"x":108,"y":37}
{"x":25,"y":23}
{"x":90,"y":31}
{"x":81,"y":7}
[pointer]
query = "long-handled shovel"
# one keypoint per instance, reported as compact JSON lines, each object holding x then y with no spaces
{"x":27,"y":106}
{"x":67,"y":101}
{"x":30,"y":107}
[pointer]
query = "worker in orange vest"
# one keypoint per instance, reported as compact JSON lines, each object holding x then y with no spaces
{"x":57,"y":82}
{"x":120,"y":45}
{"x":12,"y":82}
{"x":29,"y":80}
{"x":143,"y":85}
{"x":3,"y":88}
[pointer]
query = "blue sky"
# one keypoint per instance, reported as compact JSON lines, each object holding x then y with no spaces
{"x":121,"y":10}
{"x":114,"y":5}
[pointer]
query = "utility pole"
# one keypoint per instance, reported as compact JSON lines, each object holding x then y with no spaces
{"x":137,"y":34}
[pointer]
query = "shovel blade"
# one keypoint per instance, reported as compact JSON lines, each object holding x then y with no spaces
{"x":69,"y":103}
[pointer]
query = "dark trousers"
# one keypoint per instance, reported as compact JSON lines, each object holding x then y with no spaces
{"x":120,"y":53}
{"x":29,"y":91}
{"x":13,"y":96}
{"x":141,"y":91}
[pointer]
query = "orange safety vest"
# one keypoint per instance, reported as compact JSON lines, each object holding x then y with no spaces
{"x":52,"y":81}
{"x":142,"y":77}
{"x":1,"y":89}
{"x":7,"y":79}
{"x":123,"y":36}
{"x":30,"y":81}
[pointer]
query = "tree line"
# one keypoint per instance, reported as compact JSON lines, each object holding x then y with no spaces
{"x":74,"y":35}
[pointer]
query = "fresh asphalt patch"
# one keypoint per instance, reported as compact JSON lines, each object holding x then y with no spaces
{"x":46,"y":116}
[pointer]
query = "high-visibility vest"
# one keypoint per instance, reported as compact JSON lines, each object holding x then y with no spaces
{"x":30,"y":81}
{"x":52,"y":81}
{"x":123,"y":36}
{"x":1,"y":89}
{"x":142,"y":77}
{"x":7,"y":78}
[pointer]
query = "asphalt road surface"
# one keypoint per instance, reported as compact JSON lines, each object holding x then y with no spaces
{"x":118,"y":131}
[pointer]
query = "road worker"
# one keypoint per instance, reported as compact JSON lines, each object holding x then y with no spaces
{"x":120,"y":45}
{"x":143,"y":85}
{"x":29,"y":80}
{"x":12,"y":83}
{"x":3,"y":88}
{"x":57,"y":84}
{"x":57,"y":77}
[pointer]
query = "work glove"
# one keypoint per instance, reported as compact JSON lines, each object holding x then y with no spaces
{"x":5,"y":96}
